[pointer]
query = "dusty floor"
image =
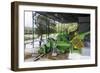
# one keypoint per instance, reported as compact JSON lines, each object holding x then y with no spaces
{"x":72,"y":56}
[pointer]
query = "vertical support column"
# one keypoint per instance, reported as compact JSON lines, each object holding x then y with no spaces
{"x":33,"y":23}
{"x":48,"y":29}
{"x":47,"y":34}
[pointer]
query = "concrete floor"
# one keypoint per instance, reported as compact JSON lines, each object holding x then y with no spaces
{"x":72,"y":56}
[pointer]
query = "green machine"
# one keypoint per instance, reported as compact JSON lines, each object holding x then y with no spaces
{"x":66,"y":41}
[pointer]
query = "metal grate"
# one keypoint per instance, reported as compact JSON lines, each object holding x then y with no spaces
{"x":77,"y":42}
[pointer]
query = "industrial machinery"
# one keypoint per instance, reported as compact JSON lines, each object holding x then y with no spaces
{"x":66,"y":41}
